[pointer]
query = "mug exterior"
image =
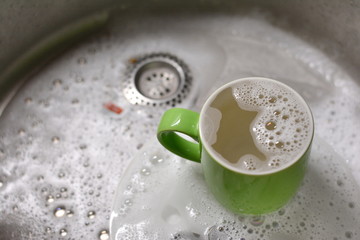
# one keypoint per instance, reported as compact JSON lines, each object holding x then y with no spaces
{"x":253,"y":194}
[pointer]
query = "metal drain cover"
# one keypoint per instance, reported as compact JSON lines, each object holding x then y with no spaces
{"x":156,"y":80}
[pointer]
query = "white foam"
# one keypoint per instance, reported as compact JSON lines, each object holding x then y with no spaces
{"x":276,"y":104}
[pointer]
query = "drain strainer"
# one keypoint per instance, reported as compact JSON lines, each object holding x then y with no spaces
{"x":156,"y":80}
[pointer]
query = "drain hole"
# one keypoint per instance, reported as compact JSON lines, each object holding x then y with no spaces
{"x":157,"y":79}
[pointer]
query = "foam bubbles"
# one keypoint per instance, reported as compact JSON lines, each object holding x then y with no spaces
{"x":63,"y":232}
{"x":104,"y":235}
{"x":270,"y":125}
{"x":91,"y":214}
{"x":59,"y":211}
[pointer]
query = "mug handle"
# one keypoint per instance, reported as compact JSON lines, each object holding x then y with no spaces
{"x":179,"y":120}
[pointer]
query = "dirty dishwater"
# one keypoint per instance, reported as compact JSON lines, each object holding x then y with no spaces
{"x":257,"y":125}
{"x":68,"y":135}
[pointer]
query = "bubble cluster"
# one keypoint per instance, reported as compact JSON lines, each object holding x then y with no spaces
{"x":282,"y":129}
{"x":57,"y":168}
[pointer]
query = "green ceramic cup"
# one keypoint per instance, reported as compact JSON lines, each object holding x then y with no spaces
{"x":243,"y":192}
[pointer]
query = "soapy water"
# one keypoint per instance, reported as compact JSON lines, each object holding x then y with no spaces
{"x":62,"y":152}
{"x":173,"y":202}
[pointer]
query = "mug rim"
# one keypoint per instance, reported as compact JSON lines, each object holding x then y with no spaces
{"x":222,"y":162}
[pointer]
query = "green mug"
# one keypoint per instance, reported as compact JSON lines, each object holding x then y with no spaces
{"x":253,"y":139}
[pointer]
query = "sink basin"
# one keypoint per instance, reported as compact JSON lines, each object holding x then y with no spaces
{"x":69,"y":130}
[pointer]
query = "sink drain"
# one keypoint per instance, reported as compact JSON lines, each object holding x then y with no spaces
{"x":156,"y":80}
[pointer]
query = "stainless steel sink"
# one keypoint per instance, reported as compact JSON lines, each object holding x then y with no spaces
{"x":70,"y":124}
